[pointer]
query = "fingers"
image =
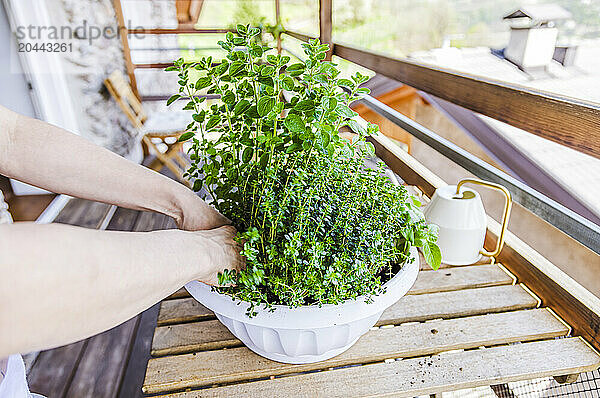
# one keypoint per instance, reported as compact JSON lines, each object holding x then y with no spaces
{"x":225,"y":253}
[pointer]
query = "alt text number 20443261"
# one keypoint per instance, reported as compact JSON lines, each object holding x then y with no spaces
{"x":45,"y":47}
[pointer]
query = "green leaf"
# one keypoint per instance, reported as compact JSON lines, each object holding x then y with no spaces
{"x":305,"y":106}
{"x":266,"y":80}
{"x":185,"y":136}
{"x":221,"y":68}
{"x":272,"y":59}
{"x":241,"y":29}
{"x":295,"y":69}
{"x":265,"y":104}
{"x":264,"y":159}
{"x":325,"y":139}
{"x":253,"y":113}
{"x":213,"y":121}
{"x":267,"y":70}
{"x":329,"y":103}
{"x":173,"y":99}
{"x":228,"y":97}
{"x":199,"y":117}
{"x":241,"y":107}
{"x":253,"y":32}
{"x":356,"y":127}
{"x":432,"y":254}
{"x":295,"y":147}
{"x":247,"y":154}
{"x":197,"y":185}
{"x":344,"y":111}
{"x":345,"y":83}
{"x":256,"y":51}
{"x":294,"y":123}
{"x":235,"y":68}
{"x":287,"y":83}
{"x":203,"y":82}
{"x":171,"y":68}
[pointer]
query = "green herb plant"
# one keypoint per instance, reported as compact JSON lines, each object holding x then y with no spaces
{"x":318,"y":227}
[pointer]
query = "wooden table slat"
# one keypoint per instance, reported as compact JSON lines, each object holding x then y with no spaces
{"x":211,"y":335}
{"x":446,"y":279}
{"x":178,"y":294}
{"x":422,"y":376}
{"x":83,"y":213}
{"x":457,"y":278}
{"x":181,"y":311}
{"x":410,"y":308}
{"x":408,"y":340}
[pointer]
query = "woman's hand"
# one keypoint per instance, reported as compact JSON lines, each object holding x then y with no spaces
{"x":222,"y":252}
{"x":194,"y":214}
{"x":201,"y":216}
{"x":76,"y":282}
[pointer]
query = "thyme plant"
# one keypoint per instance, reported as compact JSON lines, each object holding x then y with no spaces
{"x":319,"y":227}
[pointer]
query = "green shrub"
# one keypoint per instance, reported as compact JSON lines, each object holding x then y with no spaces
{"x":319,"y":227}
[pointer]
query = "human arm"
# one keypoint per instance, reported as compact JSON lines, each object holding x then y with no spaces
{"x":60,"y":284}
{"x":49,"y":157}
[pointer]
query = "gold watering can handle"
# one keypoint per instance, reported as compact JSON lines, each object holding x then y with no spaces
{"x":506,"y":215}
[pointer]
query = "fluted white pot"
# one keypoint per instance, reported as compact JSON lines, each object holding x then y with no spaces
{"x":309,"y":333}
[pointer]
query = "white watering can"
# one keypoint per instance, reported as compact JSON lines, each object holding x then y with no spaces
{"x":461,"y":217}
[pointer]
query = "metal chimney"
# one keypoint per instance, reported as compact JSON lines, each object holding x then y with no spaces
{"x":533,"y":35}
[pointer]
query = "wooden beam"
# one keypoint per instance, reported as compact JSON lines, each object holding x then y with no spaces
{"x":158,"y":65}
{"x":165,"y":97}
{"x":184,"y":30}
{"x":182,"y":8}
{"x":278,"y":23}
{"x":567,"y":121}
{"x":188,"y":11}
{"x":325,"y":25}
{"x":125,"y":44}
{"x":162,"y":65}
{"x":298,"y":35}
{"x":571,"y":301}
{"x":195,"y":10}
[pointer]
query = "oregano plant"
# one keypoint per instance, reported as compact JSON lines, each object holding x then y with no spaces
{"x":318,"y":226}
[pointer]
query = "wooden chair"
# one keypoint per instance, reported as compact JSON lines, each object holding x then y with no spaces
{"x":159,"y":129}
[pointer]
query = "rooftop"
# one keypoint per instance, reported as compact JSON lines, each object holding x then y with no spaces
{"x":540,"y":13}
{"x":576,"y":171}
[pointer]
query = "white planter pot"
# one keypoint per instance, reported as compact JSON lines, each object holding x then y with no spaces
{"x":310,"y":333}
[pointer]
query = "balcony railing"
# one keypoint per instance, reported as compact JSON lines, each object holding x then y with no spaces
{"x":570,"y":122}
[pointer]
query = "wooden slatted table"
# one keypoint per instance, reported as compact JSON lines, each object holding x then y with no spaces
{"x":457,"y":328}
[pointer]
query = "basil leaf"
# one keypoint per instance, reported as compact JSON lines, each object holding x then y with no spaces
{"x":432,"y":254}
